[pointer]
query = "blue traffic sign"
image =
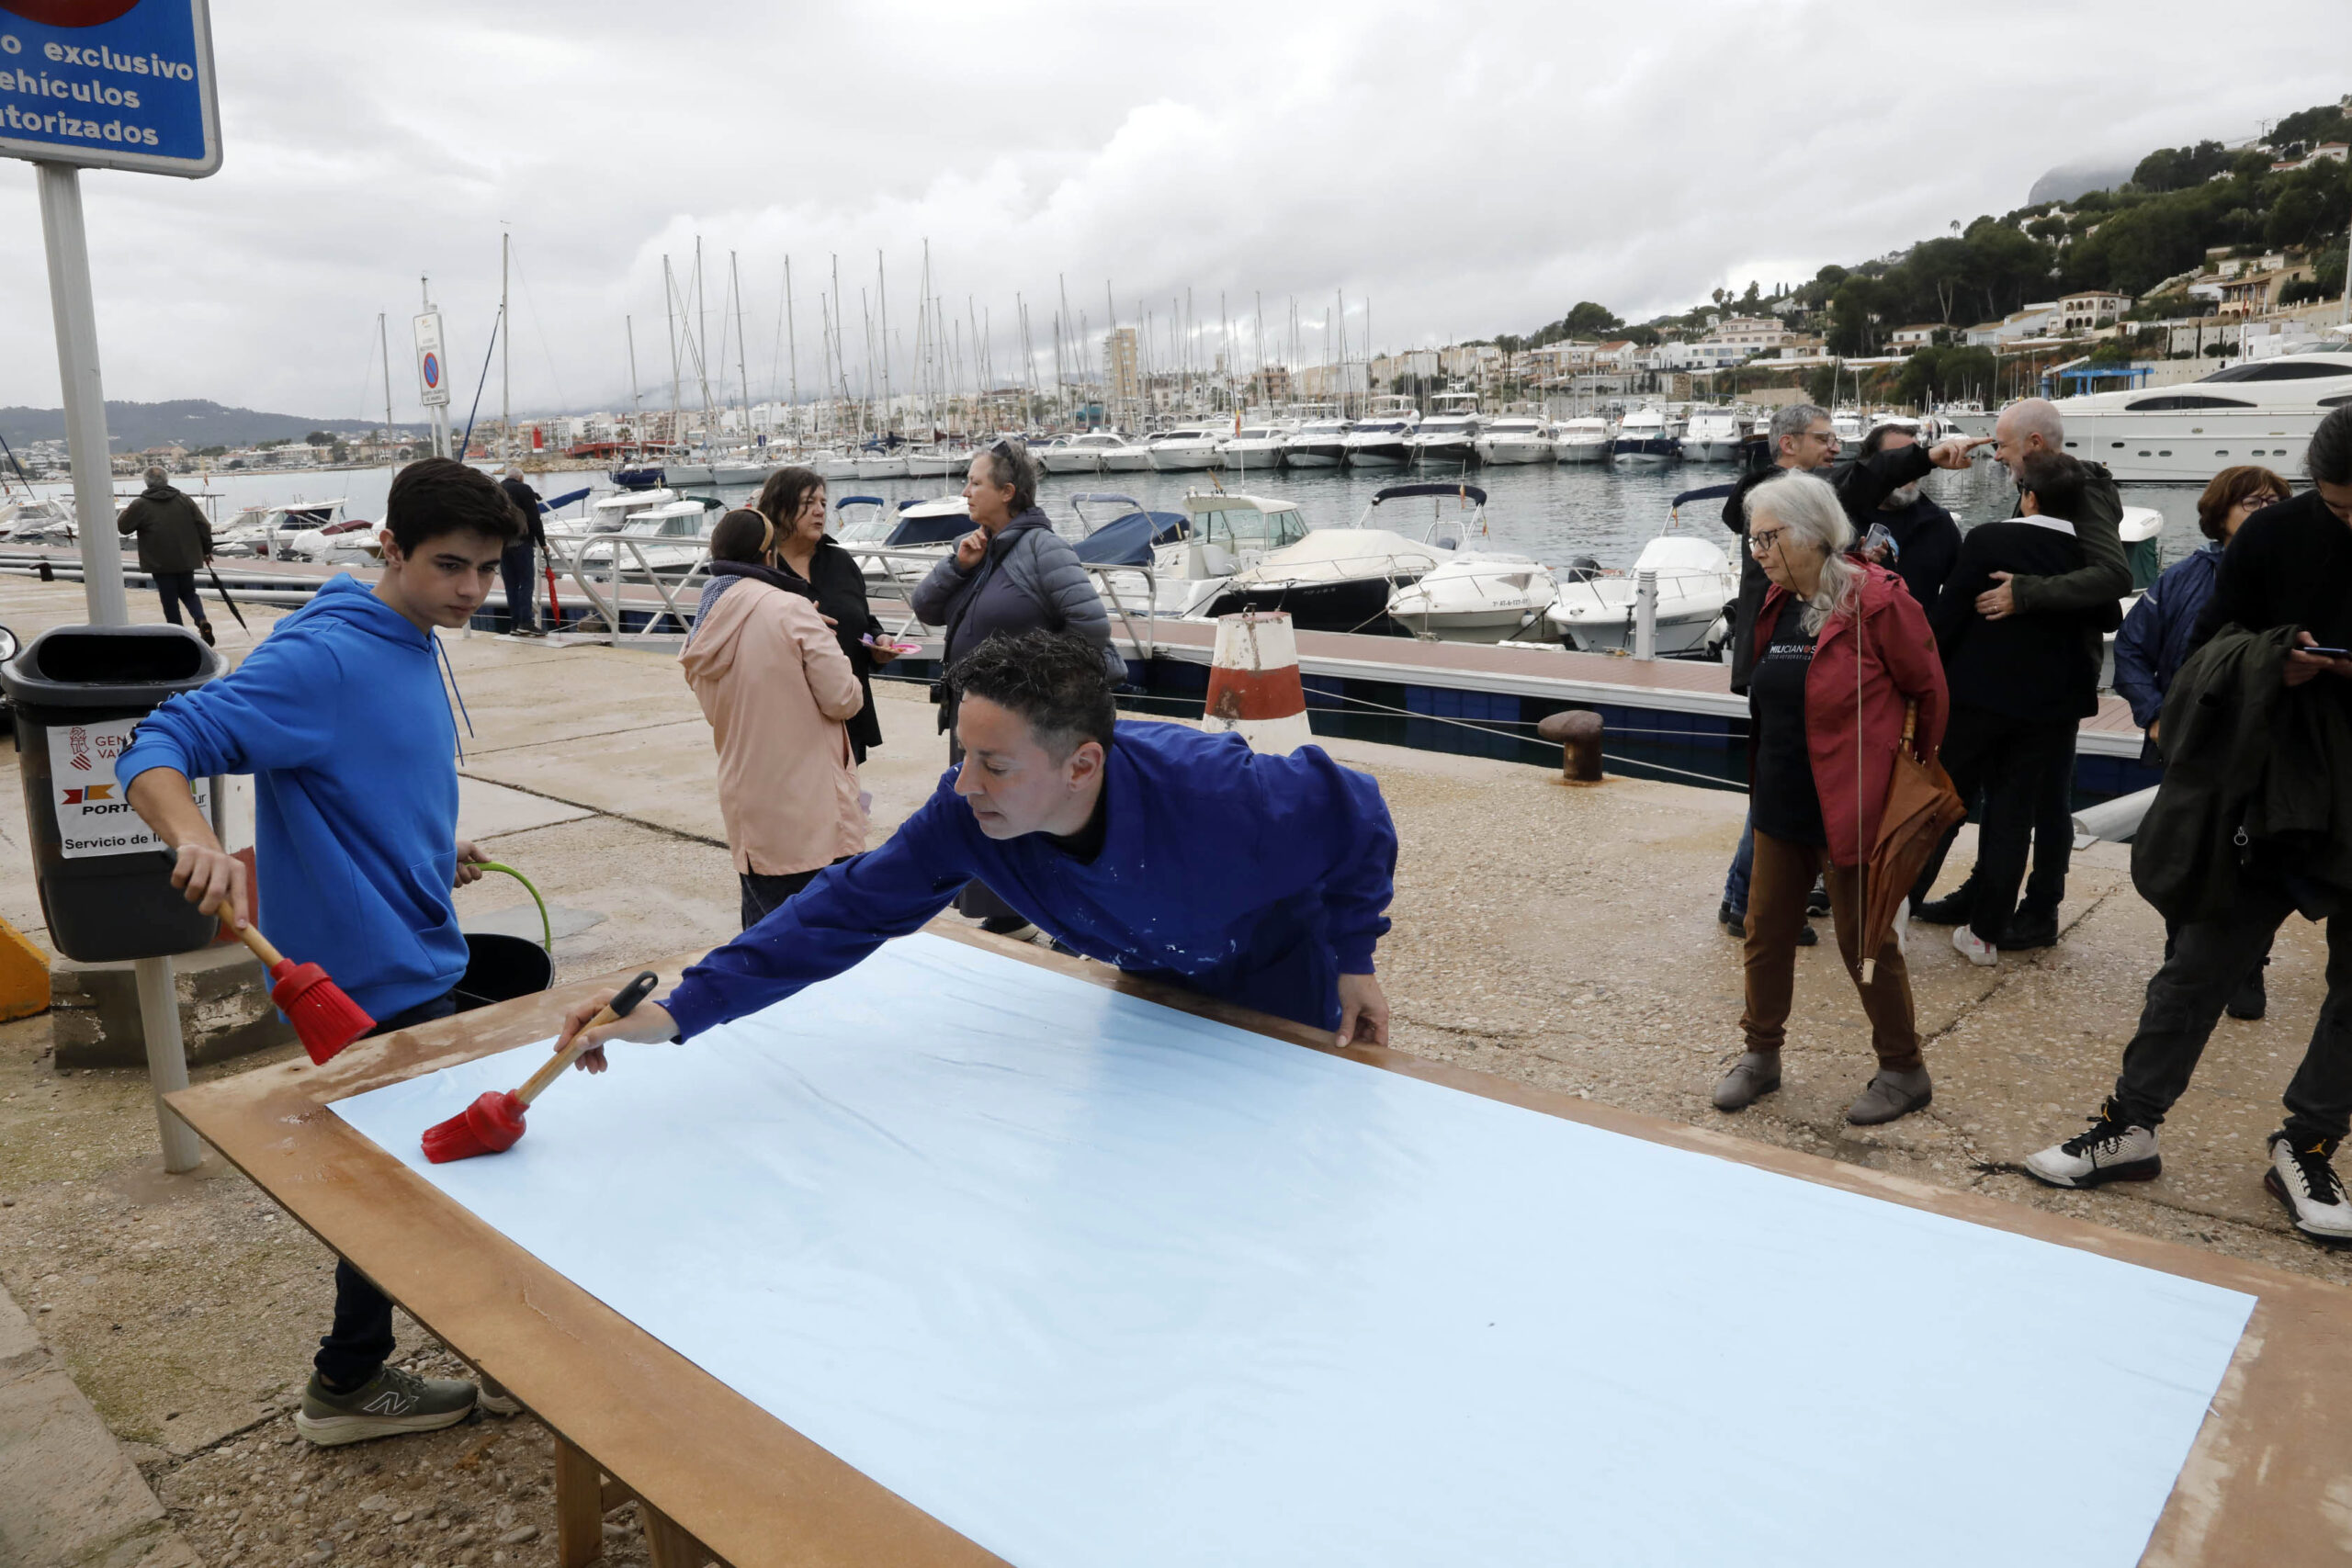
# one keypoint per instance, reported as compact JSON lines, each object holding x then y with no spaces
{"x":109,"y":84}
{"x":432,"y":371}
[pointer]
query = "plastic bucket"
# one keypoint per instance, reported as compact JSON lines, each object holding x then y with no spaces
{"x":500,"y":968}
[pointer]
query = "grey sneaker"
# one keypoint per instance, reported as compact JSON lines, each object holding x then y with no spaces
{"x":2111,"y":1149}
{"x":1754,"y":1075}
{"x":1890,"y":1096}
{"x":494,"y":1399}
{"x":2301,"y":1177}
{"x":390,"y":1403}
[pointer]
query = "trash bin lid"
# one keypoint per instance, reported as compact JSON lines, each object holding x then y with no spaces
{"x":108,"y":667}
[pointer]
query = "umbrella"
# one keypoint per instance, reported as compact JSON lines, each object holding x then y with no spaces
{"x":1921,"y":807}
{"x":222,"y":589}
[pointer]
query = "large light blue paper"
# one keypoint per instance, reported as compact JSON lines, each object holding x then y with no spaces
{"x":1104,"y":1285}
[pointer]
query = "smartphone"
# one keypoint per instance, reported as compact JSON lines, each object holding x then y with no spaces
{"x":1879,"y":538}
{"x":2328,"y":652}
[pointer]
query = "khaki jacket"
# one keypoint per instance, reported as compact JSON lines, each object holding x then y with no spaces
{"x":777,"y":689}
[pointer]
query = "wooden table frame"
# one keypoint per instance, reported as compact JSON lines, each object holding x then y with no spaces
{"x":2268,"y":1481}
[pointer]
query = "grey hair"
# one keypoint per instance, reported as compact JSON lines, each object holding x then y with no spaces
{"x":2036,"y":416}
{"x":1010,"y":463}
{"x":1795,"y":420}
{"x":1807,"y":509}
{"x":155,"y":474}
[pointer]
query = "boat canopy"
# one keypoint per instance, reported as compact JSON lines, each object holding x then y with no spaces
{"x":1129,"y":540}
{"x":1471,"y":493}
{"x":1708,"y":492}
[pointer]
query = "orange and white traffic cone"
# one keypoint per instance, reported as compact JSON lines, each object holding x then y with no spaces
{"x":1254,"y":688}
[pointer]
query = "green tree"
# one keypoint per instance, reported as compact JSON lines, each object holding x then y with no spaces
{"x":1588,"y":320}
{"x":2135,"y":249}
{"x":319,"y":438}
{"x":1944,"y":374}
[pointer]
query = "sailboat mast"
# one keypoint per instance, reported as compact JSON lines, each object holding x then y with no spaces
{"x":384,"y":344}
{"x":505,"y":345}
{"x":670,"y":309}
{"x":791,"y":343}
{"x":742,"y":375}
{"x":882,"y":299}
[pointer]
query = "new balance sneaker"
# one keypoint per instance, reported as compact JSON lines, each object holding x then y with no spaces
{"x":390,"y":1403}
{"x":2301,"y":1177}
{"x":1975,"y":948}
{"x":2112,"y":1149}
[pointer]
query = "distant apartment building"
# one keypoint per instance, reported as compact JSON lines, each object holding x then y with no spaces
{"x":1704,"y":355}
{"x":1757,"y":335}
{"x":1917,"y":336}
{"x":2091,"y":308}
{"x":1270,"y":387}
{"x":1122,"y":366}
{"x":2327,"y":152}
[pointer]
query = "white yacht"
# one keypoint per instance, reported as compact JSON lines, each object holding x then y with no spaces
{"x":833,"y":466}
{"x":1586,"y":439}
{"x":1384,"y":438}
{"x":1851,"y":429}
{"x":1256,"y":446}
{"x":2262,"y":410}
{"x":918,"y":533}
{"x":1471,"y":595}
{"x":1696,"y":582}
{"x":1716,"y":435}
{"x":667,"y":540}
{"x":1319,"y":444}
{"x":1515,"y":439}
{"x":939,"y":462}
{"x":1186,"y":449}
{"x":1450,"y":434}
{"x":1644,"y":437}
{"x":1334,"y":580}
{"x":1097,"y":452}
{"x":269,"y":531}
{"x":1181,"y":561}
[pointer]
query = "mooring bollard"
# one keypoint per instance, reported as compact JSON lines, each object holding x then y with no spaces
{"x":1646,"y":612}
{"x":1579,"y":733}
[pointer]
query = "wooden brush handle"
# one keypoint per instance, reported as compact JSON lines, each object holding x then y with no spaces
{"x":620,"y":1007}
{"x":251,"y":936}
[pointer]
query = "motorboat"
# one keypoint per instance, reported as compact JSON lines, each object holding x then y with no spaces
{"x":939,"y":462}
{"x":1585,"y":439}
{"x":642,"y":477}
{"x":44,"y":520}
{"x":670,"y":540}
{"x":1139,"y":556}
{"x":1644,"y":437}
{"x":1716,"y":435}
{"x":1696,"y":582}
{"x":1851,"y":430}
{"x":1186,"y":450}
{"x":1335,"y":580}
{"x":266,"y":531}
{"x":1450,"y":434}
{"x":1096,"y":451}
{"x":2260,"y":410}
{"x":1319,"y":444}
{"x":918,"y":534}
{"x":354,"y":541}
{"x":1471,"y":595}
{"x":1383,"y":439}
{"x":1255,"y":446}
{"x":1515,"y":439}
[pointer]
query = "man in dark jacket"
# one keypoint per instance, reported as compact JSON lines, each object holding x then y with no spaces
{"x":1801,"y":438}
{"x":519,"y":566}
{"x":2025,"y":428}
{"x":2021,"y":687}
{"x":1926,"y":539}
{"x":2249,"y":826}
{"x":175,"y":542}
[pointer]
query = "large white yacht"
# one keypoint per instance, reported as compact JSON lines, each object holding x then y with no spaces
{"x":1319,"y":444}
{"x":1450,"y":434}
{"x":1096,"y":451}
{"x":1644,"y":437}
{"x":1186,"y":449}
{"x":1586,"y":439}
{"x":2262,"y":410}
{"x":1515,"y":439}
{"x":1383,"y":439}
{"x":1715,"y":435}
{"x":1256,"y":446}
{"x":1596,"y":610}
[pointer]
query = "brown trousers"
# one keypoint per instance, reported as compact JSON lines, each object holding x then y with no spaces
{"x":1776,"y":895}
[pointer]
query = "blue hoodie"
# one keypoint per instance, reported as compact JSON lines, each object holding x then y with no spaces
{"x":1254,"y":879}
{"x":340,"y":716}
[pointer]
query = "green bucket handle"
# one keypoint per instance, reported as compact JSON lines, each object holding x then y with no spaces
{"x":547,"y":927}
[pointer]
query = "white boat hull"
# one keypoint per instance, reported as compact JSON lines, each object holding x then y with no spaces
{"x":1709,"y":450}
{"x":1311,"y":457}
{"x":2190,"y":445}
{"x":881,"y":468}
{"x":1591,"y":451}
{"x":1184,"y":462}
{"x":1068,"y":462}
{"x":1507,"y":454}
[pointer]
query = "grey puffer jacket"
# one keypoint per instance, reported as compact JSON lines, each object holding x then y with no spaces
{"x":1028,"y":578}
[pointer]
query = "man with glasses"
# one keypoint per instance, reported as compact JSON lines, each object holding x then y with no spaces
{"x":1802,"y":438}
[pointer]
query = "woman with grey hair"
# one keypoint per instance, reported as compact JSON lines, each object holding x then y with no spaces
{"x":1842,"y":654}
{"x":1011,"y":573}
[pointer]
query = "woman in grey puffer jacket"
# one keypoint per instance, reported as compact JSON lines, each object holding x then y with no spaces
{"x":1011,"y":573}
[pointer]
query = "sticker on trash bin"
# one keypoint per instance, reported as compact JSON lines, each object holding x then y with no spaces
{"x":93,"y":818}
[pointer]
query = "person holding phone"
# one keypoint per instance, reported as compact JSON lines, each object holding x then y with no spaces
{"x":2265,"y":755}
{"x":793,"y":500}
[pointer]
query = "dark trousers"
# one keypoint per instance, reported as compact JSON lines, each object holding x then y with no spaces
{"x":360,"y":1344}
{"x":2054,"y":833}
{"x":518,"y":566}
{"x":177,"y":588}
{"x":2209,"y":961}
{"x":764,"y":895}
{"x":2009,"y":762}
{"x":1782,"y":881}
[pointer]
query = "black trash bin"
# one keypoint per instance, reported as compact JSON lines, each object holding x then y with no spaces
{"x":106,"y":883}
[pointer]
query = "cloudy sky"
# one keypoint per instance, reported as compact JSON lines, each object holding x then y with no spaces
{"x":1465,"y":168}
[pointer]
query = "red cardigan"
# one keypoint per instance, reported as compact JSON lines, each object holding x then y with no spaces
{"x":1899,"y":666}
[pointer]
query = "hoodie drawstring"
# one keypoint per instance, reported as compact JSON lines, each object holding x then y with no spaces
{"x":449,"y":678}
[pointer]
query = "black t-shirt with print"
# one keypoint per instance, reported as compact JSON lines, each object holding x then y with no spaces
{"x":1786,"y":803}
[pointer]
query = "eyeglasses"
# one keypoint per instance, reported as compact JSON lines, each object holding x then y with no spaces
{"x":1758,"y":543}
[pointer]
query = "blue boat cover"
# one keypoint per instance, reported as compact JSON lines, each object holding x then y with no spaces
{"x":1128,"y":541}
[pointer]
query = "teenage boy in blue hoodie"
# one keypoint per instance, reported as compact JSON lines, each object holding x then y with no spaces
{"x":1093,"y":831}
{"x":341,"y":718}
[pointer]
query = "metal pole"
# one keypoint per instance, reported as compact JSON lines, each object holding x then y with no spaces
{"x":86,"y":403}
{"x":101,"y":546}
{"x":1646,"y":612}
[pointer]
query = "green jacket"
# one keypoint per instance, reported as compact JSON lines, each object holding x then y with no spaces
{"x":2104,"y":576}
{"x":172,"y":534}
{"x":2255,"y":773}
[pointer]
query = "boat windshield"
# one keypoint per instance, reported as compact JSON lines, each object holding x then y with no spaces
{"x":1245,"y":527}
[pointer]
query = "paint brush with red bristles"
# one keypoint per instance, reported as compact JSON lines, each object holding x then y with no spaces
{"x":492,"y":1123}
{"x":324,"y":1017}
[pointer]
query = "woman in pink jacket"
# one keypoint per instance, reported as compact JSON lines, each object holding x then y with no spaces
{"x":1842,"y":651}
{"x":779,"y":691}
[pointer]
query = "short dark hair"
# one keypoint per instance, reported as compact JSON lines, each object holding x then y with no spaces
{"x":1010,"y":463}
{"x":2328,"y":460}
{"x":440,"y":495}
{"x":786,"y":492}
{"x":2230,"y":486}
{"x":1054,"y":679}
{"x":2055,"y":481}
{"x":742,"y":535}
{"x":1875,"y":442}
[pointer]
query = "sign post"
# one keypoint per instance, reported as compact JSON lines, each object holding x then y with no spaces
{"x":107,"y":85}
{"x":432,"y":374}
